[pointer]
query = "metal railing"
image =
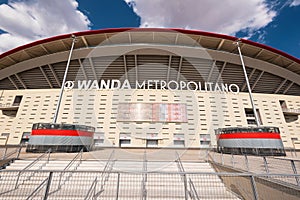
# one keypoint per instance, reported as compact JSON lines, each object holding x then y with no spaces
{"x":78,"y":158}
{"x":183,"y":176}
{"x":11,"y":154}
{"x":93,"y":192}
{"x":30,"y":165}
{"x":106,"y":172}
{"x":46,"y":183}
{"x":193,"y":192}
{"x":162,"y":185}
{"x":144,"y":179}
{"x":259,"y":164}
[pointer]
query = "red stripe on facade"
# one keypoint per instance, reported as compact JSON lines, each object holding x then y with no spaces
{"x":260,"y":135}
{"x":51,"y":132}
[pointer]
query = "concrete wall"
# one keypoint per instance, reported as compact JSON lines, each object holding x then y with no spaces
{"x":206,"y":111}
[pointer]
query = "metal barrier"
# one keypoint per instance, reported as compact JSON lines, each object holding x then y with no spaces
{"x":78,"y":158}
{"x":144,"y":179}
{"x":91,"y":194}
{"x":94,"y":192}
{"x":30,"y":165}
{"x":160,"y":185}
{"x":107,"y":169}
{"x":191,"y":192}
{"x":40,"y":187}
{"x":10,"y":154}
{"x":259,"y":164}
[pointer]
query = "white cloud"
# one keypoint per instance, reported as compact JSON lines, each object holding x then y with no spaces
{"x":225,"y":16}
{"x":295,"y":3}
{"x":29,"y":20}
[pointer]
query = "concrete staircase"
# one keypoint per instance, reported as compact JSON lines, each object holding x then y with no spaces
{"x":125,"y":179}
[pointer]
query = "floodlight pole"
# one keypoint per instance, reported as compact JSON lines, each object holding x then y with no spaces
{"x":64,"y":81}
{"x":237,"y":43}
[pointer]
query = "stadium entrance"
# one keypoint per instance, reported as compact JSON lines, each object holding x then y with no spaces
{"x":150,"y":143}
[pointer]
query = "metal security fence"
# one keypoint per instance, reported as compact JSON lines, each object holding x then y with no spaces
{"x":10,"y":152}
{"x":258,"y":164}
{"x":87,"y":185}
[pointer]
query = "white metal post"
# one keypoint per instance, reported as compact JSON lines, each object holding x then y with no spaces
{"x":64,"y":81}
{"x":247,"y":81}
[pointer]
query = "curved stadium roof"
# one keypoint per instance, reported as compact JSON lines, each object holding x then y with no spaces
{"x":41,"y":64}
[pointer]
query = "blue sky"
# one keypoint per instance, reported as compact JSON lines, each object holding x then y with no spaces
{"x":271,"y":22}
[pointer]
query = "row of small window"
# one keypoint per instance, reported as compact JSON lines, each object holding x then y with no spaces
{"x":150,"y":143}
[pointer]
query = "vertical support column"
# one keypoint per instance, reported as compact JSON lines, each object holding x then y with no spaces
{"x":232,"y":160}
{"x":214,"y":157}
{"x":295,"y":172}
{"x":222,"y":157}
{"x":118,"y":186}
{"x":186,"y":192}
{"x":48,"y":186}
{"x":255,"y":194}
{"x":266,"y":164}
{"x":247,"y":163}
{"x":5,"y":151}
{"x":5,"y":145}
{"x":19,"y":151}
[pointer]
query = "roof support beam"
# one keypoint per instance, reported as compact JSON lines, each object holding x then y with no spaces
{"x":199,"y":40}
{"x":276,"y":58}
{"x":13,"y":82}
{"x":129,"y":37}
{"x":169,"y":68}
{"x":211,"y":71}
{"x":250,"y":76}
{"x":55,"y":75}
{"x":10,"y":58}
{"x":82,"y":69}
{"x":280,"y":86}
{"x":125,"y":66}
{"x":25,"y":52}
{"x":288,"y":87}
{"x":21,"y":81}
{"x":93,"y":68}
{"x":46,"y":77}
{"x":221,"y":72}
{"x":84,"y":41}
{"x":107,"y":38}
{"x":64,"y":45}
{"x":176,"y":38}
{"x":256,"y":81}
{"x":258,"y":54}
{"x":288,"y":67}
{"x":220,"y":44}
{"x":179,"y":68}
{"x":44,"y":48}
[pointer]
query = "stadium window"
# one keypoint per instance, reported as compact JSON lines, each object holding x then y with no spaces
{"x":204,"y":143}
{"x":5,"y":134}
{"x":178,"y":143}
{"x":17,"y":100}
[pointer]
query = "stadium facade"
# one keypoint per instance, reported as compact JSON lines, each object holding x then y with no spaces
{"x":149,"y":87}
